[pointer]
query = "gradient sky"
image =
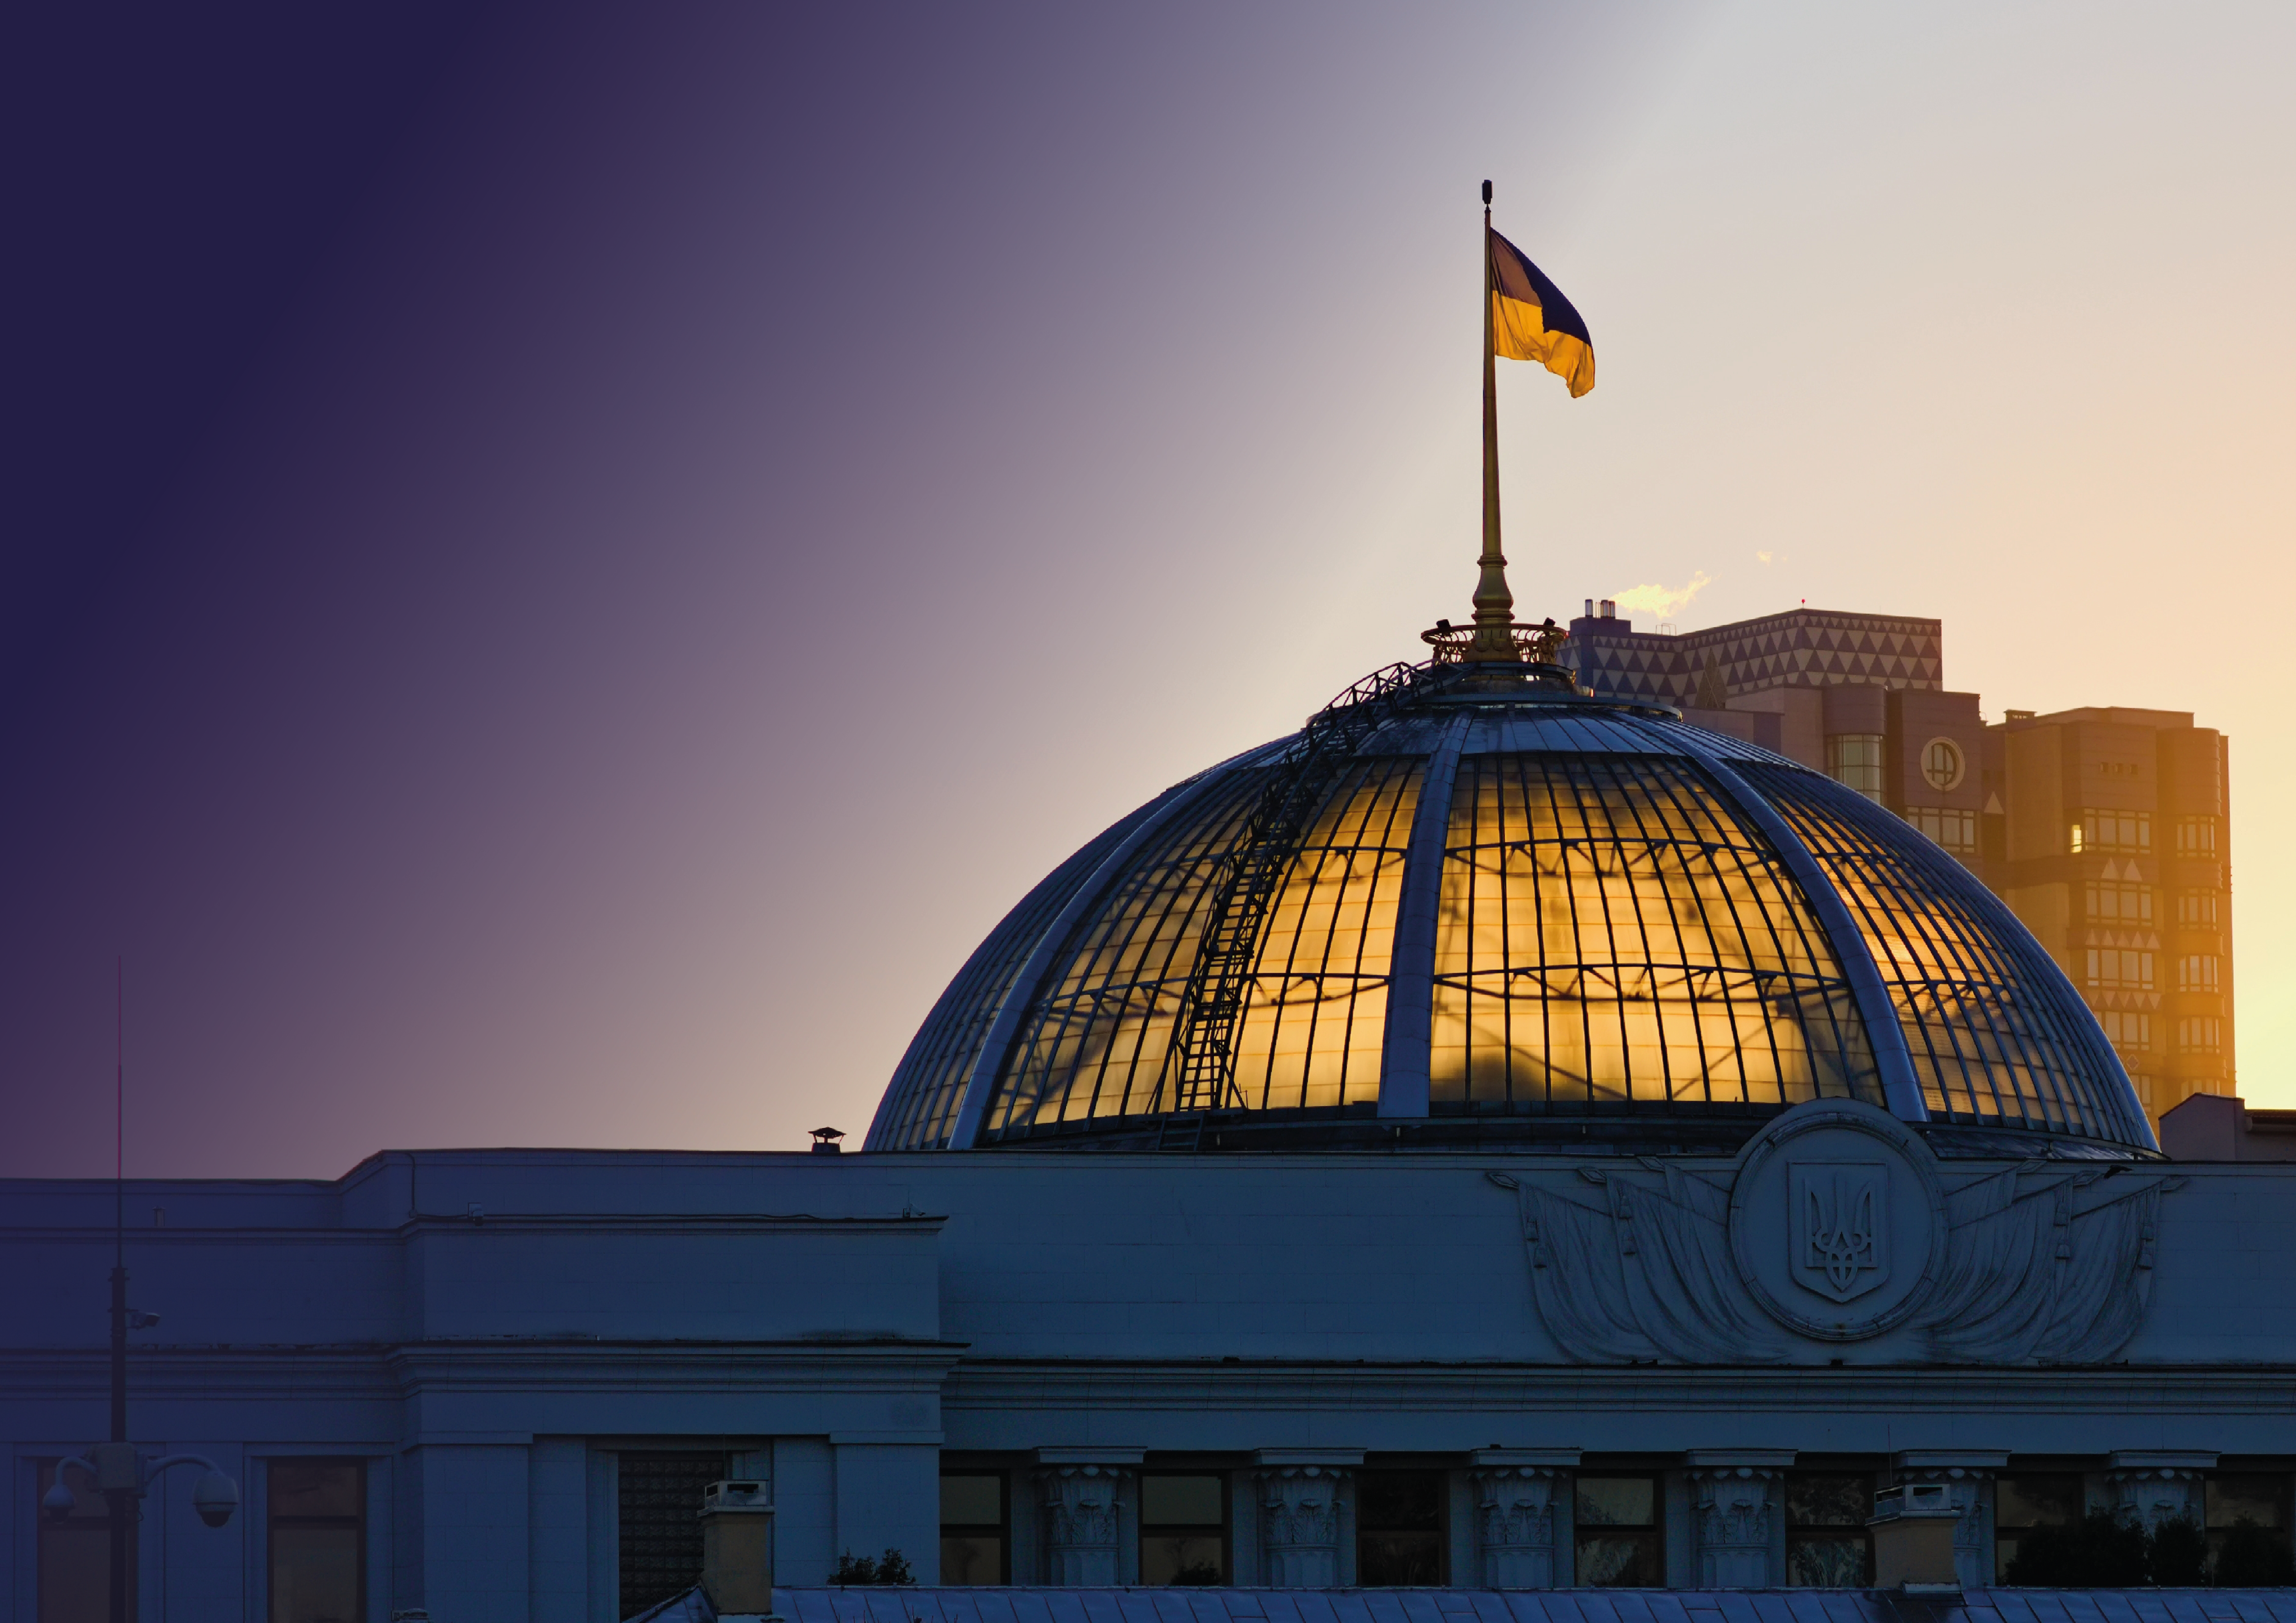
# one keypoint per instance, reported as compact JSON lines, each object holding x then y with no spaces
{"x":562,"y":565}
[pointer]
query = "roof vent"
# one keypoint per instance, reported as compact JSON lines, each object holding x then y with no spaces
{"x":824,"y":1141}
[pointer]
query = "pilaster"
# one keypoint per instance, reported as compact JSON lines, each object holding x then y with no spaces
{"x":1082,"y":1506}
{"x":1299,"y":1524}
{"x":1514,"y":1525}
{"x":1734,"y":1511}
{"x":2150,"y":1487}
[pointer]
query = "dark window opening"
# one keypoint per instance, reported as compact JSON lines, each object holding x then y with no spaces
{"x":660,"y":1502}
{"x":317,"y":1540}
{"x":976,"y":1545}
{"x":2251,"y":1515}
{"x":2023,"y":1502}
{"x":1618,"y":1533}
{"x":1399,"y":1528}
{"x":75,"y":1554}
{"x":1184,"y":1528}
{"x":1828,"y":1546}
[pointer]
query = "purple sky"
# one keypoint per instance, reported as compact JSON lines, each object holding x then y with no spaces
{"x":564,"y":566}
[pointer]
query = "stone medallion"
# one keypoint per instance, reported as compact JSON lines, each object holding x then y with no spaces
{"x":1837,"y":1220}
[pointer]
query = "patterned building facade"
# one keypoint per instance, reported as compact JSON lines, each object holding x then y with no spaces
{"x":2107,"y":830}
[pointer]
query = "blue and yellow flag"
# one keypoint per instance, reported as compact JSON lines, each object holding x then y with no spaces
{"x":1532,"y":321}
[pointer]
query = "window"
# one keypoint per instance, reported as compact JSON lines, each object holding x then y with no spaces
{"x":2197,"y":836}
{"x":318,"y":1540}
{"x":2196,"y":972}
{"x":2197,"y":907}
{"x":1955,"y":830}
{"x":1399,"y":1528}
{"x":2144,"y":1086}
{"x":2257,"y":1501}
{"x":1942,"y":764}
{"x":1094,"y":1045}
{"x":1618,"y":1533}
{"x":2021,"y":1504}
{"x":2114,"y":904}
{"x":1826,"y":1543}
{"x":2119,"y":969}
{"x":2113,"y":831}
{"x":1555,"y":986}
{"x":1183,"y":1529}
{"x":660,"y":1502}
{"x":2203,"y":1034}
{"x":975,"y":1512}
{"x":1855,"y":759}
{"x":75,"y":1554}
{"x":2129,"y":1031}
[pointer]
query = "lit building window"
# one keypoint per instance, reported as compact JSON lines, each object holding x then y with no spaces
{"x":1828,"y":1546}
{"x":1399,"y":1528}
{"x":1183,"y":1529}
{"x":2197,"y":907}
{"x":2127,"y":1030}
{"x":2201,"y":1033}
{"x":1855,"y":759}
{"x":2197,"y":836}
{"x":2113,"y":831}
{"x":2113,"y":903}
{"x":1942,"y":764}
{"x":2196,"y":972}
{"x":2144,"y":1086}
{"x":1955,"y":830}
{"x":75,"y":1554}
{"x":2119,"y":969}
{"x":974,"y":1548}
{"x":2021,"y":1504}
{"x":318,"y":1540}
{"x":1618,"y":1533}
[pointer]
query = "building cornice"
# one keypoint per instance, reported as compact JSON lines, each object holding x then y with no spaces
{"x":1003,"y":1385}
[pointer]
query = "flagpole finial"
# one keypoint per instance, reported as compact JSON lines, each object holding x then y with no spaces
{"x":1487,"y":194}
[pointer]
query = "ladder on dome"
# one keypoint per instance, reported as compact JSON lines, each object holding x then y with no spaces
{"x":1200,"y":1066}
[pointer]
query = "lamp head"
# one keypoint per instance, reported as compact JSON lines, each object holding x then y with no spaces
{"x":214,"y":1496}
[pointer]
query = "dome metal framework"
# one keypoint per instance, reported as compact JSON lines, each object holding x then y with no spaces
{"x":1469,"y":904}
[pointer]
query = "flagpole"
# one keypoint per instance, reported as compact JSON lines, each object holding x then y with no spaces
{"x":1494,"y":603}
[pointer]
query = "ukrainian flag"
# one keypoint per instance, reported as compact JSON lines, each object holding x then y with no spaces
{"x":1532,"y":321}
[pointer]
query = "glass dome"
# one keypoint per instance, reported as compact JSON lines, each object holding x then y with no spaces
{"x":1481,"y":910}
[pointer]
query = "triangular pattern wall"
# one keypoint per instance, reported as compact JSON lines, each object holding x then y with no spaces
{"x":1800,"y":648}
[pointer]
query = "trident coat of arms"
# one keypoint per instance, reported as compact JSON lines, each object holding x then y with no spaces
{"x":1840,"y":1208}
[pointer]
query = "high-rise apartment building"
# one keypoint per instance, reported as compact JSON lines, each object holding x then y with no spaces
{"x":2115,"y":850}
{"x":2106,"y":830}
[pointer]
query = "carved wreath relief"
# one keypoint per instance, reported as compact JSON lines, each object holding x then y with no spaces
{"x":1837,"y":1226}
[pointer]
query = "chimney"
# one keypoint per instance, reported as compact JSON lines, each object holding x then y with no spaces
{"x":1590,"y":608}
{"x":737,"y":1551}
{"x":1913,"y":1538}
{"x":1609,"y":609}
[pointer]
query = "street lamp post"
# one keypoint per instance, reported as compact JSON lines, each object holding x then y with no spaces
{"x":121,"y":1474}
{"x":119,"y":1494}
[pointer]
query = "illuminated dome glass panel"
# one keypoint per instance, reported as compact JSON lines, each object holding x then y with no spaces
{"x":1610,"y":931}
{"x":1510,"y":918}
